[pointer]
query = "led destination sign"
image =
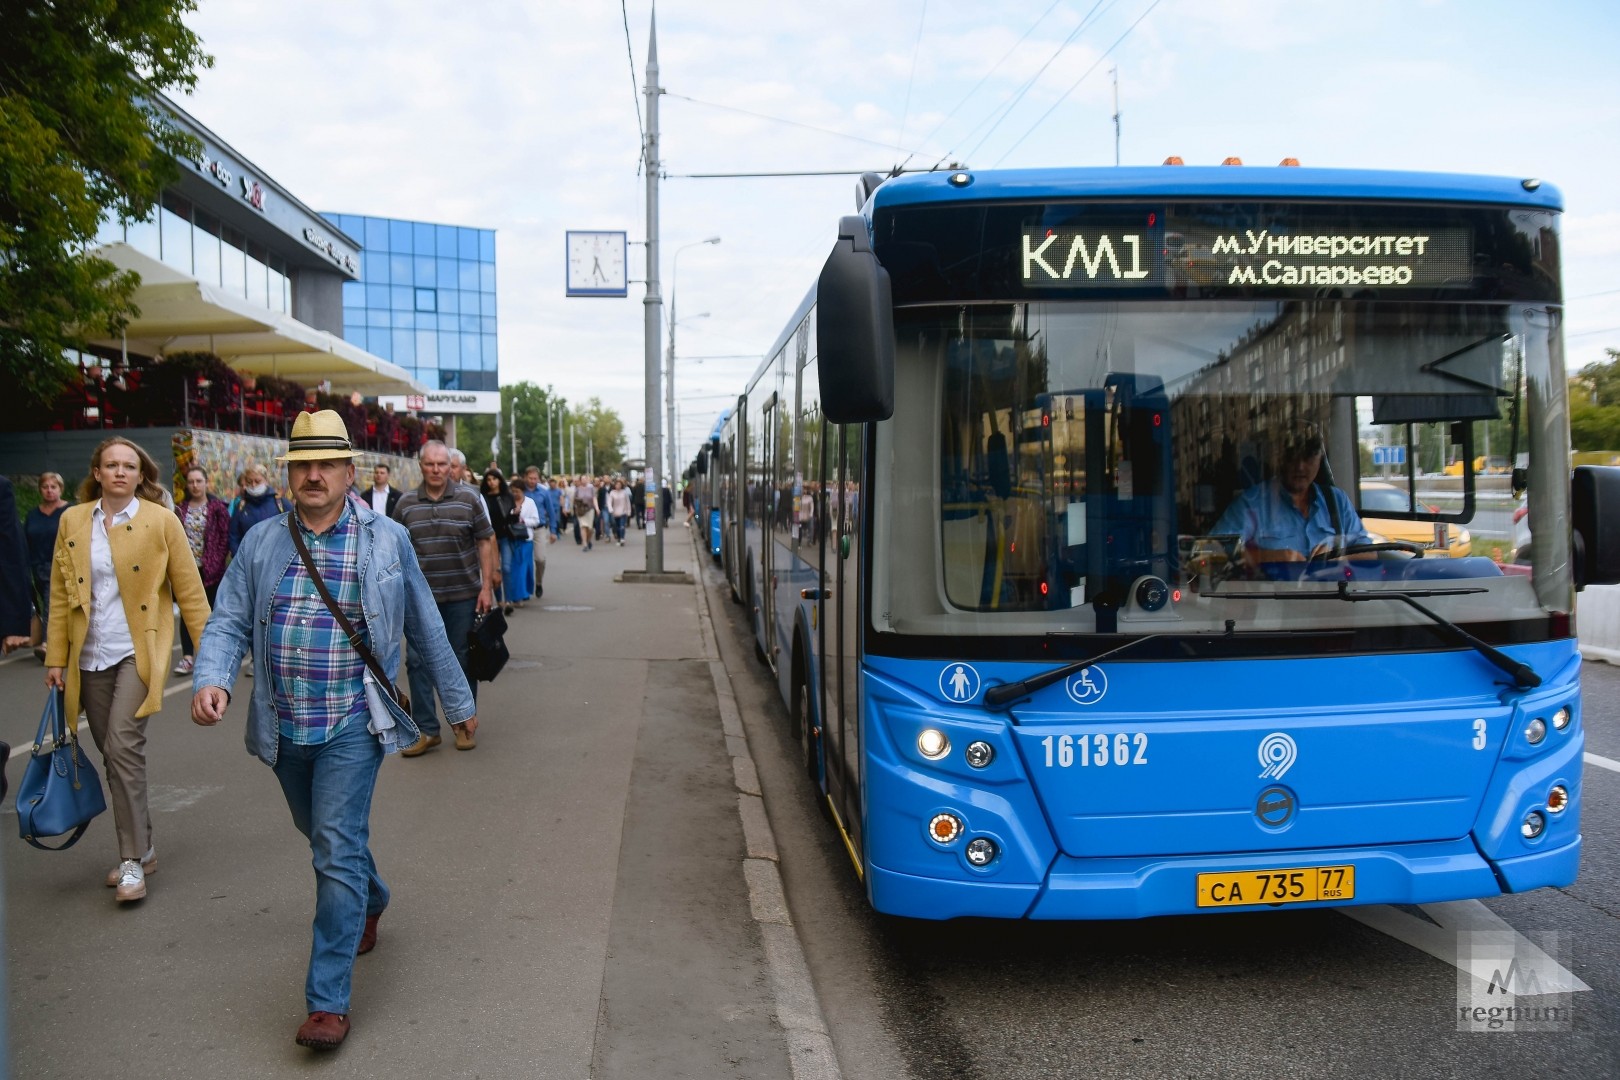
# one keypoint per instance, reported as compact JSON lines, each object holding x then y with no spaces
{"x":1125,"y":257}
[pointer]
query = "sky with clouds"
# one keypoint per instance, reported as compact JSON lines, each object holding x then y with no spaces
{"x":522,"y":116}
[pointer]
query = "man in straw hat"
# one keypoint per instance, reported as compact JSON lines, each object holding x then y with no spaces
{"x":317,"y":716}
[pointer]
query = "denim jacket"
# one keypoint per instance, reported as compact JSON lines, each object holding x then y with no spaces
{"x":395,"y":597}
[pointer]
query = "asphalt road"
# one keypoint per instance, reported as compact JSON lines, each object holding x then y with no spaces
{"x":1311,"y":994}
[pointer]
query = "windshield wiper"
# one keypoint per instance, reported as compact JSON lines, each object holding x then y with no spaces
{"x":1006,"y":693}
{"x":1523,"y":674}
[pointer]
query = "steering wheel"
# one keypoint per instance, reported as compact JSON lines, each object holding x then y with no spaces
{"x":1336,"y":550}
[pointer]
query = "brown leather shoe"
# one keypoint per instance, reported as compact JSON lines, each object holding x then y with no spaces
{"x":421,"y":746}
{"x":323,"y":1031}
{"x":464,"y":738}
{"x":368,"y":936}
{"x":148,"y":864}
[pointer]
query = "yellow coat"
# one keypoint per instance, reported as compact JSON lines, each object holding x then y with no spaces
{"x":155,"y":569}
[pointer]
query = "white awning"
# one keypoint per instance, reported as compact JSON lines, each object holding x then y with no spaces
{"x":181,"y":314}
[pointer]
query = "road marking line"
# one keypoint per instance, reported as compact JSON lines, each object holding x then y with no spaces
{"x":1442,"y":937}
{"x":1603,"y":762}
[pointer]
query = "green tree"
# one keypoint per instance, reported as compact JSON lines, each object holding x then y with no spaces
{"x":592,"y":425}
{"x":1594,"y":405}
{"x":81,"y":137}
{"x":604,"y":431}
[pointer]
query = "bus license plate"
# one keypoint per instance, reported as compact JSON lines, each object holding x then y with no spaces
{"x":1296,"y":886}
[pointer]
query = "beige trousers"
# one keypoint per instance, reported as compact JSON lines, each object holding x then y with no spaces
{"x":110,"y":699}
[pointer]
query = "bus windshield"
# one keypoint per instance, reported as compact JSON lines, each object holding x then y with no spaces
{"x":1201,"y":467}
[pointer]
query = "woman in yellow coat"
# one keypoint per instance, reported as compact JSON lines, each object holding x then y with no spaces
{"x":121,"y":563}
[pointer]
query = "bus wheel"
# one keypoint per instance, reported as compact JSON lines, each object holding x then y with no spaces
{"x":809,"y":745}
{"x":806,"y":732}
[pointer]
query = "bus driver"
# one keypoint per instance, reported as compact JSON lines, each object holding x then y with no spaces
{"x":1287,"y":518}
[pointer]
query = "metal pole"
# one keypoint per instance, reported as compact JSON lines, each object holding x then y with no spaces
{"x":653,"y":309}
{"x":669,"y":369}
{"x":514,"y":435}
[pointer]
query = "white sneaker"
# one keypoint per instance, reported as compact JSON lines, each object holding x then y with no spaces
{"x":184,"y":666}
{"x":148,"y":865}
{"x":131,"y":881}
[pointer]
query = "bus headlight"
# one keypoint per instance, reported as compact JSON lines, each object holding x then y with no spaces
{"x":1534,"y":824}
{"x":932,"y":744}
{"x":981,"y":852}
{"x":1557,"y":799}
{"x":1560,"y":719}
{"x":1535,"y":731}
{"x":979,"y":754}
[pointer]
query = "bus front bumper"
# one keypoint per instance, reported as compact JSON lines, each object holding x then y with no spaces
{"x":1135,"y":888}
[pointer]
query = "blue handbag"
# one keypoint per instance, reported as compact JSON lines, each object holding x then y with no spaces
{"x":60,"y":790}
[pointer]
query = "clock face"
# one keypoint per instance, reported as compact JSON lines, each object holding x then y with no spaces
{"x":596,"y":265}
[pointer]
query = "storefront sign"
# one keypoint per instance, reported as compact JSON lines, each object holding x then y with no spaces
{"x":216,"y":169}
{"x":253,"y":194}
{"x":328,"y":247}
{"x":451,"y":402}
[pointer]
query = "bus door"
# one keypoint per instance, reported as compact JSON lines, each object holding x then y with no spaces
{"x":843,"y":715}
{"x":1105,"y":476}
{"x":776,"y":506}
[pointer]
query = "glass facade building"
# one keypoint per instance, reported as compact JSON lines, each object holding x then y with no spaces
{"x":195,"y":242}
{"x":425,"y":299}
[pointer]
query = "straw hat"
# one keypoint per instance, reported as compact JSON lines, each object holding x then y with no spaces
{"x":318,"y":436}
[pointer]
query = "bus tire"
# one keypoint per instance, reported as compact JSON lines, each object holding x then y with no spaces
{"x":756,"y":616}
{"x":809,"y":743}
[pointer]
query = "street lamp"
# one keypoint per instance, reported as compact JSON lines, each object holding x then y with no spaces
{"x":669,"y":378}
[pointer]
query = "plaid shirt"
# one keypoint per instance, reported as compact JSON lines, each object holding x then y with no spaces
{"x":316,"y":673}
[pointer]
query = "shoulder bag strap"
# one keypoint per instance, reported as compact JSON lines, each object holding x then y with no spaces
{"x":383,"y":682}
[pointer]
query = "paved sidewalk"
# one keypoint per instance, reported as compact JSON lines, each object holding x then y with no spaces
{"x":569,"y":898}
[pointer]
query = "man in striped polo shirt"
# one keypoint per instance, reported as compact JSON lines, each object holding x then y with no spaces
{"x":448,"y":525}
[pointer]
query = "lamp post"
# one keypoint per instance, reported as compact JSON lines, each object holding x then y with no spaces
{"x":669,"y":375}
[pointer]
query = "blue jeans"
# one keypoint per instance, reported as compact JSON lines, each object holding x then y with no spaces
{"x":328,"y":788}
{"x":458,"y":620}
{"x":618,"y":526}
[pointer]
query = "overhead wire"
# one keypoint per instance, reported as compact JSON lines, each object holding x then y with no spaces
{"x":1006,"y":109}
{"x":791,"y":123}
{"x":984,"y":78}
{"x":1064,"y":96}
{"x":905,"y":112}
{"x":635,"y":92}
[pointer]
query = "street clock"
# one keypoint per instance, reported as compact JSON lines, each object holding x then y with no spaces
{"x":596,"y":264}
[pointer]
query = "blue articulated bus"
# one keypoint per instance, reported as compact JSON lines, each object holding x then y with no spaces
{"x":1125,"y":542}
{"x":705,"y":474}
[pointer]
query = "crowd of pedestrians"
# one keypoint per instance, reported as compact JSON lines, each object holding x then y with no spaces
{"x":321,"y":594}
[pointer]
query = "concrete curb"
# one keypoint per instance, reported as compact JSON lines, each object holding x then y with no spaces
{"x":810,"y":1050}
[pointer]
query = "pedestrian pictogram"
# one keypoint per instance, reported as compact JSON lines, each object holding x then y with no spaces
{"x":959,"y":682}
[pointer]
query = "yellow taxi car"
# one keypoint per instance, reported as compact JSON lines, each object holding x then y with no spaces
{"x":1377,"y":495}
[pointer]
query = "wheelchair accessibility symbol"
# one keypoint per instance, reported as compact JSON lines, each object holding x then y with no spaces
{"x":1088,"y":687}
{"x":959,"y":682}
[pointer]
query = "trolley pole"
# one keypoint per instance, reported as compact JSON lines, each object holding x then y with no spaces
{"x":653,"y":312}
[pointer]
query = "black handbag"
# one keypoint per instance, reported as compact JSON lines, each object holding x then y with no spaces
{"x":60,"y":791}
{"x":486,"y":646}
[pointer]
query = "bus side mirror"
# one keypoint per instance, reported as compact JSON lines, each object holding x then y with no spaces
{"x":855,"y":330}
{"x":1595,"y":514}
